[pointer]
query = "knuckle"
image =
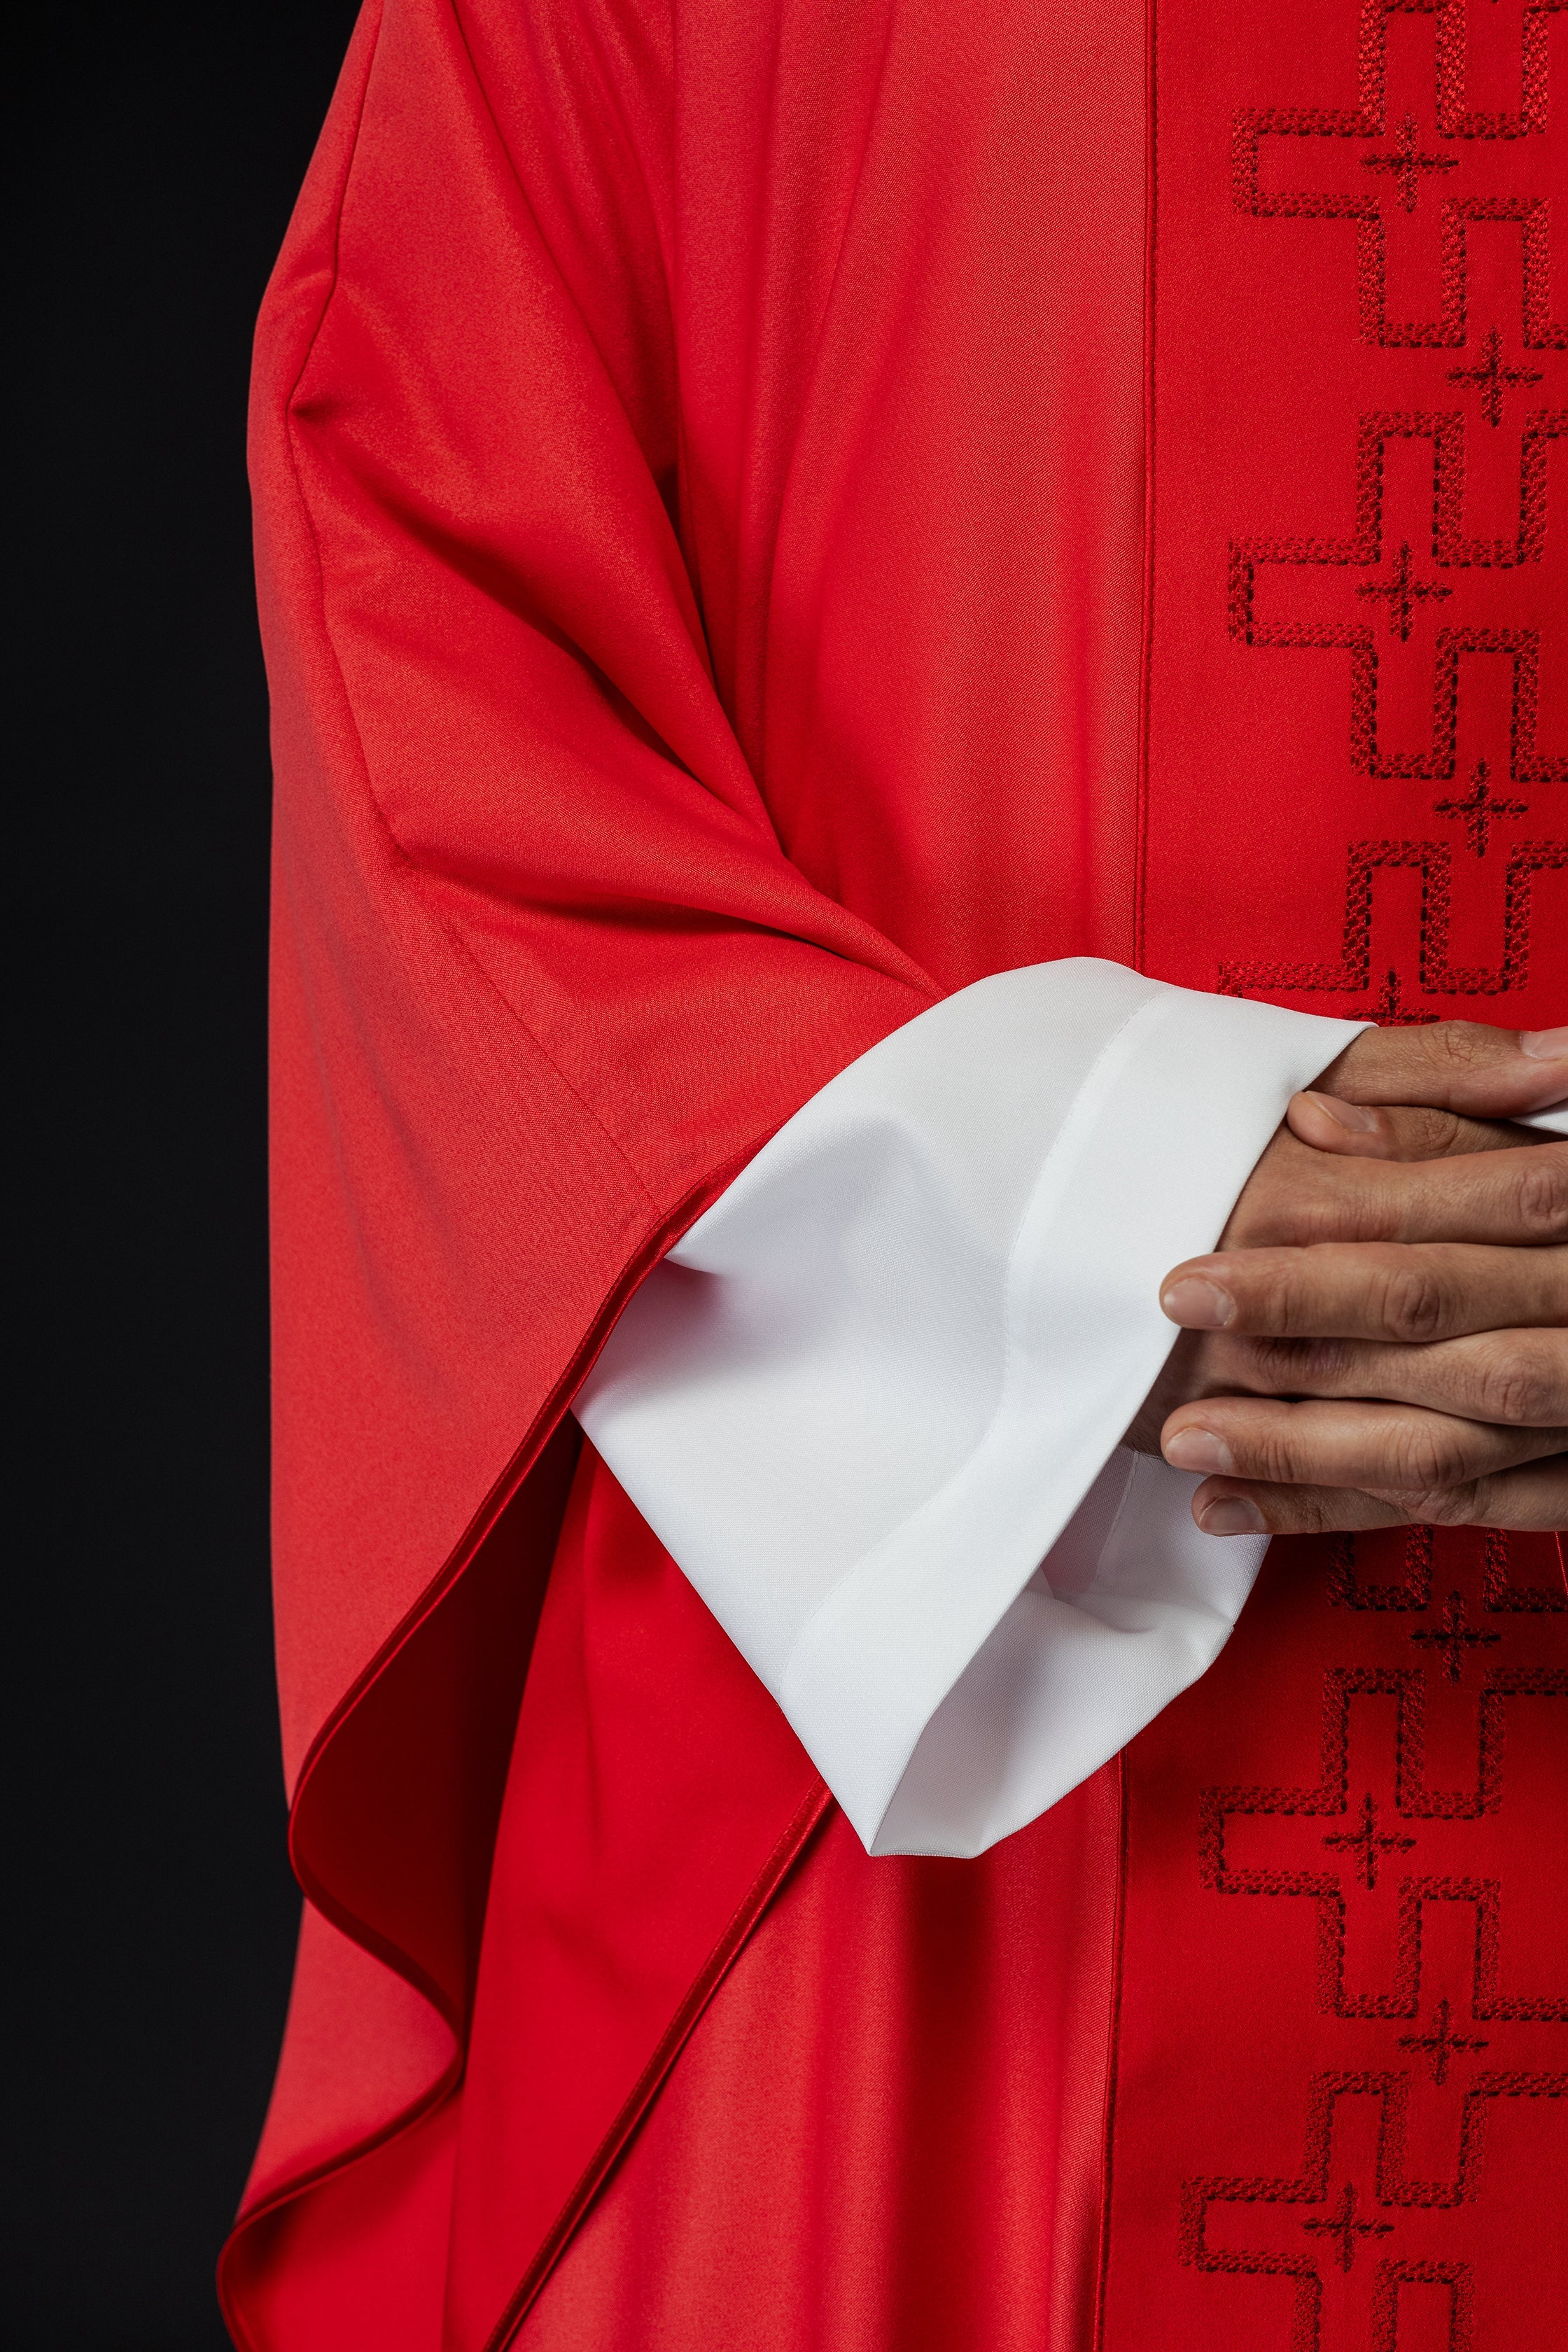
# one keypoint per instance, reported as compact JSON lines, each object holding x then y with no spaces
{"x":1427,"y":1134}
{"x":1296,"y":1364}
{"x":1428,"y":1456}
{"x":1520,"y":1386}
{"x":1433,"y":1507}
{"x":1541,"y":1195}
{"x":1414,"y":1305}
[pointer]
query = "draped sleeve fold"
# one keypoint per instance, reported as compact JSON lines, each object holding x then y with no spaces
{"x":540,"y":966}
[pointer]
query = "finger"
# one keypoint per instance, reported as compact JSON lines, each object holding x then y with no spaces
{"x":1369,"y":1290}
{"x":1534,"y":1498}
{"x":1373,"y":1445}
{"x":1483,"y":1196}
{"x":1462,"y":1066}
{"x":1365,"y":1131}
{"x":1518,"y":1378}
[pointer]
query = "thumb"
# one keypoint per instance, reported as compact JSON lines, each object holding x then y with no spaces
{"x":1458,"y":1066}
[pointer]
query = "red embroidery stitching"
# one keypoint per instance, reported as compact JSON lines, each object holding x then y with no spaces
{"x":1445,"y":428}
{"x":1413,"y":1802}
{"x":1364,"y":207}
{"x":1359,"y":1843}
{"x":1450,"y":547}
{"x":1438,"y":976}
{"x":1479,"y":812}
{"x":1440,"y":2042}
{"x":1396,"y":2192}
{"x":1407,"y":165}
{"x":1390,"y":1012}
{"x":1497,"y":1591}
{"x":1391,"y":2276}
{"x":1415,"y":1593}
{"x":1453,"y":1636}
{"x":1492,"y":378}
{"x":1404,"y":589}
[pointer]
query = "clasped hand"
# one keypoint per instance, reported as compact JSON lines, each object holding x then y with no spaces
{"x":1379,"y":1339}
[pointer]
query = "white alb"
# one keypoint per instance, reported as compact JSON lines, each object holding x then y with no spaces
{"x":872,"y":1402}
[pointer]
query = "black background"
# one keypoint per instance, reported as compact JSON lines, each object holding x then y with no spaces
{"x":154,"y":154}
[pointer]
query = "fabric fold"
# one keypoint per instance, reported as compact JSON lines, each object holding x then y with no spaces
{"x":864,"y":1398}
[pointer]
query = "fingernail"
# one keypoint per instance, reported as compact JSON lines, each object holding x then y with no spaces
{"x":1545,"y":1045}
{"x":1197,"y":1305}
{"x":1199,"y":1449}
{"x":1231,"y":1515}
{"x":1353,"y":1115}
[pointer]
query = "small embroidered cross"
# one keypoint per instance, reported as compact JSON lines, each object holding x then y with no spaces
{"x":1389,"y":1011}
{"x":1369,"y":1843}
{"x":1479,"y":809}
{"x":1440,"y":2043}
{"x":1453,"y":1636}
{"x":1344,"y":2224}
{"x":1405,"y":165}
{"x":1404,"y":592}
{"x":1491,"y":379}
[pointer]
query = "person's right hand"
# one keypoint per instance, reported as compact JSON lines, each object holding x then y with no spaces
{"x":1407,"y":1262}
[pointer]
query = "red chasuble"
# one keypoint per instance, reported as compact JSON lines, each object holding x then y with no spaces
{"x":768,"y":514}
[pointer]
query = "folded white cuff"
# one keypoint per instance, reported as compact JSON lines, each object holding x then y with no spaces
{"x":883,"y":1382}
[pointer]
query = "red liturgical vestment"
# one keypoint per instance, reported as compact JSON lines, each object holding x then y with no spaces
{"x":769,"y":514}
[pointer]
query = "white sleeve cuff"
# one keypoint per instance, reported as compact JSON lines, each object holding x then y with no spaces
{"x":883,"y":1382}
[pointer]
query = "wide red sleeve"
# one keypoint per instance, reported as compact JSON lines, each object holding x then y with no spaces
{"x":543,"y":977}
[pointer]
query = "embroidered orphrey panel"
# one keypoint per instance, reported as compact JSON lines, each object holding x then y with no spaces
{"x":1340,"y":2119}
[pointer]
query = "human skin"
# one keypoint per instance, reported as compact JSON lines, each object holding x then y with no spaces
{"x":1379,"y":1339}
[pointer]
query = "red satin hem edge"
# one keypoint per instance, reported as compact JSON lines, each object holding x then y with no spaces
{"x":360,"y":1931}
{"x":807,"y":1817}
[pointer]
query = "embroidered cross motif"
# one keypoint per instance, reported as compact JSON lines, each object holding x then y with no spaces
{"x":1452,"y":547}
{"x":1454,"y":120}
{"x":1404,"y":592}
{"x":1491,"y":379}
{"x":1439,"y":2042}
{"x":1205,"y":2200}
{"x":1369,"y":1843}
{"x":1345,"y":2226}
{"x":1452,"y":1636}
{"x":1407,"y":165}
{"x":1415,"y":1800}
{"x":1434,"y":860}
{"x":1417,"y":702}
{"x":1479,"y":810}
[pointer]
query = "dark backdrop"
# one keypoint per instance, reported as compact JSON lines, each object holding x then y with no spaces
{"x":156,"y":152}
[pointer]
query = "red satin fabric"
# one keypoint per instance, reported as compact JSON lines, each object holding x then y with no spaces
{"x":1111,"y":2086}
{"x":767,"y":514}
{"x":885,"y":2129}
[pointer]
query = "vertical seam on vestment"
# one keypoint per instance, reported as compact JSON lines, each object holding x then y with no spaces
{"x":1112,"y":2046}
{"x":1145,"y":663}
